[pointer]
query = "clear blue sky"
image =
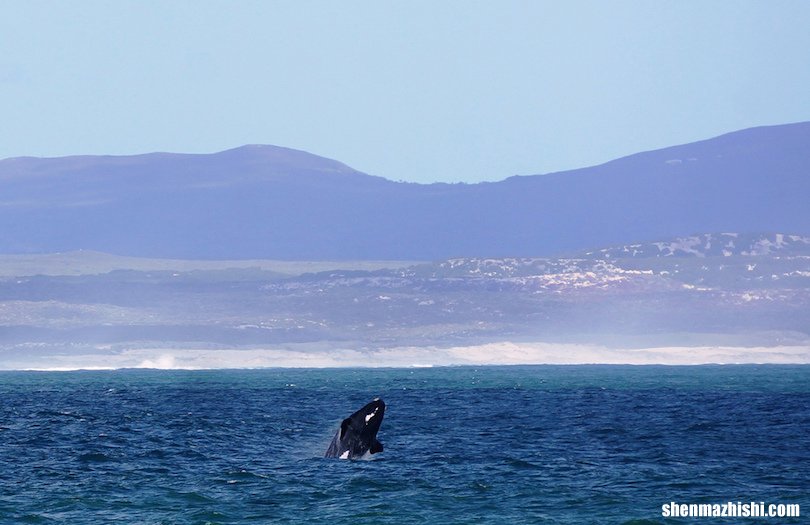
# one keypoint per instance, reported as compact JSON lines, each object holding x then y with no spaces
{"x":422,"y":91}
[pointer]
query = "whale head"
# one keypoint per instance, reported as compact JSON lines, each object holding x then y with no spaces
{"x":358,"y":433}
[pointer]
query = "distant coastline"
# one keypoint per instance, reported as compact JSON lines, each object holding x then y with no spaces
{"x":492,"y":354}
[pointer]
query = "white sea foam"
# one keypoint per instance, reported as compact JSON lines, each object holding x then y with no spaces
{"x":504,"y":353}
{"x":162,"y":362}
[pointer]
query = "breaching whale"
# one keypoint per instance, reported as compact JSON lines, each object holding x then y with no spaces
{"x":357,"y":434}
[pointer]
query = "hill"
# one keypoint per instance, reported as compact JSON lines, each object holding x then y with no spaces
{"x":267,"y":202}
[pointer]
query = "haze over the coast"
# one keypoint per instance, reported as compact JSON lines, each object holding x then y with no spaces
{"x":507,"y":353}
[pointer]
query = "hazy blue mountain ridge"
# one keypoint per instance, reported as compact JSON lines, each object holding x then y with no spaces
{"x":276,"y":203}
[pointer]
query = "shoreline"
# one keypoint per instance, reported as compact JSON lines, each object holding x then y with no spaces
{"x":491,"y":354}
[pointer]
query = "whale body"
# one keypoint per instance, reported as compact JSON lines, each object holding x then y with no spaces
{"x":357,"y":435}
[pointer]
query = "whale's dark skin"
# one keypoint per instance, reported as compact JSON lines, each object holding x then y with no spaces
{"x":357,"y":434}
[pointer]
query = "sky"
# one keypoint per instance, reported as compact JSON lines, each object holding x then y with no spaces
{"x":421,"y":91}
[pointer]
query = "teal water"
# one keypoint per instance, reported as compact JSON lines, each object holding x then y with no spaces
{"x":544,"y":444}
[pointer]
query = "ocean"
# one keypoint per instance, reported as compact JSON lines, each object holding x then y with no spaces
{"x":526,"y":444}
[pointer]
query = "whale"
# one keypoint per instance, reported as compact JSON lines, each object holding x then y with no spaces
{"x":357,"y":435}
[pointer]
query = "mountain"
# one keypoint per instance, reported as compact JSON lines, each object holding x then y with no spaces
{"x":275,"y":203}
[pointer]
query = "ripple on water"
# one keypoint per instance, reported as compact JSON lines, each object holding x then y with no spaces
{"x":566,"y":445}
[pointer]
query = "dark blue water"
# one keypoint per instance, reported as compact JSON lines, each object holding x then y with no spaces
{"x":580,"y":444}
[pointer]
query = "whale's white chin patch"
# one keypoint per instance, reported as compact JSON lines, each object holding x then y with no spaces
{"x":368,"y":417}
{"x":345,"y":455}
